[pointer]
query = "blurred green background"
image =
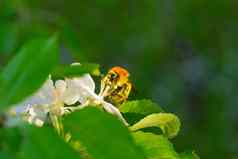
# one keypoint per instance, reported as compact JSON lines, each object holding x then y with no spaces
{"x":181,"y":54}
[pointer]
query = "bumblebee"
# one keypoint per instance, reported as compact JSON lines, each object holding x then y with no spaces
{"x":115,"y":86}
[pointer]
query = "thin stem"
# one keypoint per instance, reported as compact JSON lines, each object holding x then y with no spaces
{"x":57,"y":124}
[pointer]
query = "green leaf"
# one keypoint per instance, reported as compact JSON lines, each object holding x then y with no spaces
{"x":4,"y":155}
{"x":7,"y":10}
{"x":45,"y":143}
{"x":10,"y":142}
{"x":133,"y":111}
{"x":76,"y":70}
{"x":144,"y":107}
{"x":155,"y":146}
{"x":28,"y":70}
{"x":8,"y":38}
{"x":167,"y":122}
{"x":189,"y":155}
{"x":103,"y":135}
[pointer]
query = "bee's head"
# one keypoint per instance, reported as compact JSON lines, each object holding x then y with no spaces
{"x":120,"y":73}
{"x":115,"y":78}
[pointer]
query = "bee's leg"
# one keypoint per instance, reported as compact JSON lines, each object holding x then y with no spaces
{"x":102,"y":88}
{"x":105,"y":90}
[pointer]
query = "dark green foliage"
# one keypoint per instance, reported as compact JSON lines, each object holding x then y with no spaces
{"x":28,"y":70}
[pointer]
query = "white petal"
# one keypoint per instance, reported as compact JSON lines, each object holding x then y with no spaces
{"x":70,"y":95}
{"x":45,"y":95}
{"x":79,"y":89}
{"x":87,"y":81}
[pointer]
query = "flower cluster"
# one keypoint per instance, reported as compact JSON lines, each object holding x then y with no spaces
{"x":58,"y":97}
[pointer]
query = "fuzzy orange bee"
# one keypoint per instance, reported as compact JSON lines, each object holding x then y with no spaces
{"x":115,"y":86}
